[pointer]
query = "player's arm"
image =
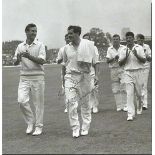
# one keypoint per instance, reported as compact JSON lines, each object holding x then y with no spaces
{"x":41,"y":59}
{"x":17,"y":57}
{"x":63,"y":74}
{"x":109,"y":57}
{"x":96,"y":68}
{"x":59,"y":58}
{"x":123,"y":57}
{"x":148,"y":58}
{"x":34,"y":59}
{"x":141,"y":57}
{"x":64,"y":63}
{"x":123,"y":61}
{"x":96,"y":64}
{"x":59,"y":61}
{"x":148,"y":54}
{"x":108,"y":60}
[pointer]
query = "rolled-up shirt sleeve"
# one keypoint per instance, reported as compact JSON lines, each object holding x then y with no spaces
{"x":96,"y":56}
{"x":15,"y":55}
{"x":64,"y":55}
{"x":148,"y":51}
{"x":108,"y":56}
{"x":42,"y":52}
{"x":140,"y":52}
{"x":122,"y":54}
{"x":60,"y":55}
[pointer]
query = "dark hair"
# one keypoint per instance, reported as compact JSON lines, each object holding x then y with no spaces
{"x":87,"y":34}
{"x":76,"y":29}
{"x":116,"y":35}
{"x":28,"y":26}
{"x":141,"y":36}
{"x":129,"y":34}
{"x":66,"y":35}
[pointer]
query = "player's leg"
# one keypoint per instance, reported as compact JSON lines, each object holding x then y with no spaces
{"x":93,"y":100}
{"x":85,"y":104}
{"x":64,"y":98}
{"x":145,"y":76}
{"x":129,"y":81}
{"x":23,"y":100}
{"x":96,"y":102}
{"x":123,"y":92}
{"x":139,"y":83}
{"x":71,"y":93}
{"x":116,"y":88}
{"x":38,"y":87}
{"x":130,"y":101}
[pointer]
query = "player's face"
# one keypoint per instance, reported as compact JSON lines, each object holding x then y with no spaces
{"x":130,"y":40}
{"x":67,"y":40}
{"x":116,"y":40}
{"x":86,"y":37}
{"x":71,"y":35}
{"x":140,"y":41}
{"x":31,"y":33}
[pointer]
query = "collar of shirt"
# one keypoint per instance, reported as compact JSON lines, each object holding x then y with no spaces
{"x":71,"y":44}
{"x":34,"y":42}
{"x":135,"y":46}
{"x":120,"y":46}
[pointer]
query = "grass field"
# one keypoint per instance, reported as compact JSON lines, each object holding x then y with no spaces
{"x":109,"y":133}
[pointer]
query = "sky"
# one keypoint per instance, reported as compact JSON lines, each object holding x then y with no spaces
{"x":52,"y":17}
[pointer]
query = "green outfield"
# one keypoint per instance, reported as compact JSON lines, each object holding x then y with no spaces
{"x":109,"y":133}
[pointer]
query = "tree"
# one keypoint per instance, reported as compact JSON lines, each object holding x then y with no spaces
{"x":101,"y":40}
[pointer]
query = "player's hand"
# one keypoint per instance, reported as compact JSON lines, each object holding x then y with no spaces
{"x":19,"y":56}
{"x":116,"y":58}
{"x":96,"y":80}
{"x":148,"y":58}
{"x":25,"y":54}
{"x":135,"y":52}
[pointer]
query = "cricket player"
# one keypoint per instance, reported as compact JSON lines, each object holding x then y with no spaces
{"x":133,"y":59}
{"x":31,"y":55}
{"x":63,"y":70}
{"x":94,"y":79}
{"x":146,"y":69}
{"x":118,"y":86}
{"x":78,"y":58}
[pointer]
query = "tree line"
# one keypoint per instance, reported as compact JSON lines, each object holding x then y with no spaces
{"x":102,"y":42}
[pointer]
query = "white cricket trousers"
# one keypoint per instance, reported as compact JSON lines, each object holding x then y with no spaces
{"x":77,"y":91}
{"x":134,"y":85}
{"x":35,"y":85}
{"x":93,"y":98}
{"x":118,"y":87}
{"x":145,"y":80}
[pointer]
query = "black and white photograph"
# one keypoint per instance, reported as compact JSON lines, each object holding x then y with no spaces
{"x":77,"y":77}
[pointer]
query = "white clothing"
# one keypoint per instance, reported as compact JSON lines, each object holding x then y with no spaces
{"x":118,"y":87}
{"x":86,"y":51}
{"x":93,"y":99}
{"x":133,"y":77}
{"x":31,"y":80}
{"x":77,"y":90}
{"x":132,"y":62}
{"x":92,"y":69}
{"x":111,"y":53}
{"x":36,"y":85}
{"x":134,"y":84}
{"x":70,"y":56}
{"x":145,"y":76}
{"x":77,"y":87}
{"x":147,"y":52}
{"x":28,"y":67}
{"x":60,"y":54}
